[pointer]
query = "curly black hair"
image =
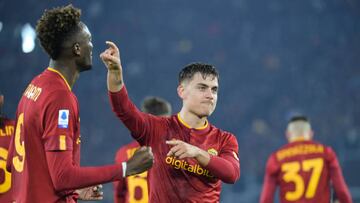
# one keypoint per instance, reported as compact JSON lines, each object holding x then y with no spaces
{"x":55,"y":25}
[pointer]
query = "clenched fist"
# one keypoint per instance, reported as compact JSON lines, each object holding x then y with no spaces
{"x":141,"y":161}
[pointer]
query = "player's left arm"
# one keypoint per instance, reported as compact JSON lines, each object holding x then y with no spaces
{"x":269,"y":186}
{"x":337,"y":178}
{"x":226,"y":166}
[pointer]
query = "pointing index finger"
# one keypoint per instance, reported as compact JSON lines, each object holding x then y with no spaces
{"x":112,"y":45}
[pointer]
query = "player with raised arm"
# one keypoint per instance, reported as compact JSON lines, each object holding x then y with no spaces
{"x":192,"y":156}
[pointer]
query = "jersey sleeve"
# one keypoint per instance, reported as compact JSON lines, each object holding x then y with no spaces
{"x":60,"y":118}
{"x":269,"y":185}
{"x":67,"y":176}
{"x":337,"y":178}
{"x":141,"y":125}
{"x":226,"y":166}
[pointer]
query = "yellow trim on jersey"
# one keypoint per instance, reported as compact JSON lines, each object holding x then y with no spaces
{"x":62,"y":142}
{"x":188,"y":126}
{"x":56,"y":71}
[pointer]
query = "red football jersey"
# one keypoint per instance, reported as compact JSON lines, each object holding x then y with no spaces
{"x":303,"y":171}
{"x":180,"y":180}
{"x":6,"y":131}
{"x":132,"y":189}
{"x":47,"y":119}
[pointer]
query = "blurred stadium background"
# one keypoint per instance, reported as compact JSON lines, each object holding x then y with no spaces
{"x":276,"y":58}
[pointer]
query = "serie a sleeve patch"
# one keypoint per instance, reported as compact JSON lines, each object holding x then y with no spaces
{"x":63,"y":119}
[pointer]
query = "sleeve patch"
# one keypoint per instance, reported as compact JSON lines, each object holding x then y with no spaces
{"x":63,"y":119}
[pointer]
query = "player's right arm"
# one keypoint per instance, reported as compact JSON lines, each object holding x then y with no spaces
{"x":337,"y":178}
{"x":140,"y":124}
{"x":269,"y":186}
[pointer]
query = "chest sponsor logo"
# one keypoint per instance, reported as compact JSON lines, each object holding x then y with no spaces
{"x":63,"y":120}
{"x":184,"y":165}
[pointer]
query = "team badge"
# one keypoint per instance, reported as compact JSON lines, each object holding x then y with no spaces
{"x":212,"y":151}
{"x":63,"y":120}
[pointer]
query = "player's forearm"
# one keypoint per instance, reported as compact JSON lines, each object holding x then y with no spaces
{"x":341,"y":189}
{"x":127,"y":112}
{"x":338,"y":180}
{"x":226,"y":170}
{"x":66,"y":176}
{"x":203,"y":158}
{"x":268,"y":191}
{"x":115,"y":81}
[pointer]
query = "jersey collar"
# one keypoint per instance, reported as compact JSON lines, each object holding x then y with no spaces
{"x":188,"y":126}
{"x":56,"y":71}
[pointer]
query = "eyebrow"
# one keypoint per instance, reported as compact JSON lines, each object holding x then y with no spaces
{"x":205,"y":85}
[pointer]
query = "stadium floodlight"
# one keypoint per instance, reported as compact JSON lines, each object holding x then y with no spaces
{"x":28,"y":38}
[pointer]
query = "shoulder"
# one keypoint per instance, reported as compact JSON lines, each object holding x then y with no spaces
{"x":327,"y":150}
{"x":221,"y":133}
{"x":60,"y":99}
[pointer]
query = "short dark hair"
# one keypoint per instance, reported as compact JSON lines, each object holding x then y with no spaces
{"x":188,"y":72}
{"x":55,"y":25}
{"x":156,"y":106}
{"x":299,"y":118}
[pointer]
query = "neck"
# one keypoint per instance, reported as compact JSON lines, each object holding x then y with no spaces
{"x":299,"y":138}
{"x":192,"y":120}
{"x":67,"y":69}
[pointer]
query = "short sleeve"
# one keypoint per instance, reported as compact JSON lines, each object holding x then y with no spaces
{"x":60,"y":120}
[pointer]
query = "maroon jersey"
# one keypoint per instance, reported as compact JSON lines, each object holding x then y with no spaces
{"x":303,"y":170}
{"x":132,"y":189}
{"x":45,"y":151}
{"x":6,"y":131}
{"x":180,"y":180}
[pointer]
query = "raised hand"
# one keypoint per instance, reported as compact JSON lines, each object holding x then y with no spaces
{"x":111,"y":56}
{"x":90,"y":193}
{"x":111,"y":59}
{"x":141,"y":161}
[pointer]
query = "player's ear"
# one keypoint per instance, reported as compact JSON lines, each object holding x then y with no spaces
{"x":180,"y":90}
{"x":288,"y":135}
{"x":311,"y":134}
{"x":77,"y":49}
